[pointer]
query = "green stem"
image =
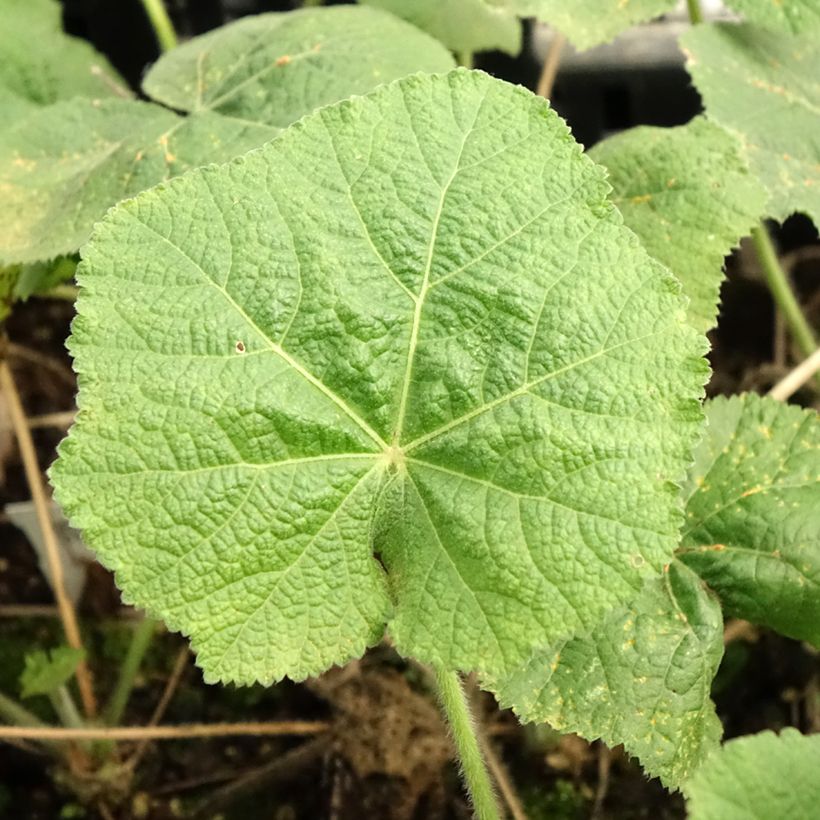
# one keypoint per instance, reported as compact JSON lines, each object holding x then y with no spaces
{"x":161,"y":23}
{"x":465,"y":58}
{"x":16,"y":715}
{"x":473,"y":768}
{"x":695,"y":11}
{"x":782,"y":293}
{"x":140,"y":642}
{"x":66,"y":709}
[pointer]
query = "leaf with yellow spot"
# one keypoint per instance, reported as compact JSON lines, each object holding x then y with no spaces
{"x":643,"y":678}
{"x":753,"y":513}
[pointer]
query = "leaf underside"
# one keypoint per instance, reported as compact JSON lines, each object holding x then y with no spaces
{"x":40,"y":65}
{"x":753,"y":513}
{"x":591,"y":22}
{"x":759,"y":777}
{"x":743,"y":72}
{"x":689,"y":196}
{"x":411,"y":326}
{"x":64,"y":166}
{"x":462,"y":25}
{"x":643,"y":678}
{"x":790,"y":16}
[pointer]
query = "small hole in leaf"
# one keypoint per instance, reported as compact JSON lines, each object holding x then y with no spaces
{"x":240,"y":347}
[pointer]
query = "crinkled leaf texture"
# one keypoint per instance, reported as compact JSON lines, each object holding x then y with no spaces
{"x":759,"y":777}
{"x":642,"y":678}
{"x":462,"y":25}
{"x":764,"y":86}
{"x":688,"y":194}
{"x":45,"y":672}
{"x":275,"y":68}
{"x":790,"y":16}
{"x":40,"y":65}
{"x":753,"y":512}
{"x":63,"y":167}
{"x":588,"y":23}
{"x":413,"y":328}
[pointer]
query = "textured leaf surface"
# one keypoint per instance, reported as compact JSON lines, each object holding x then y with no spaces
{"x":275,"y":68}
{"x":62,"y":167}
{"x":764,"y":86}
{"x":588,"y":23}
{"x":413,"y":325}
{"x":462,"y":25}
{"x":642,"y":678}
{"x":689,"y":196}
{"x":759,"y":777}
{"x":791,"y":16}
{"x":40,"y":64}
{"x":753,"y":513}
{"x":46,"y":672}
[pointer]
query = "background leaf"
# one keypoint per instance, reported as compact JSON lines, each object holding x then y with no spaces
{"x":741,"y":72}
{"x":642,"y":678}
{"x":688,"y":194}
{"x":752,"y":513}
{"x":462,"y":25}
{"x":64,"y":166}
{"x":412,"y":323}
{"x":588,"y":23}
{"x":760,"y":777}
{"x":40,"y":65}
{"x":46,"y":672}
{"x":792,"y":16}
{"x":275,"y":68}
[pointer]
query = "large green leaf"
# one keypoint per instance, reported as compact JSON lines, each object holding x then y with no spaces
{"x":753,"y":513}
{"x":462,"y":25}
{"x":764,"y":86}
{"x":688,"y":194}
{"x":275,"y":68}
{"x":759,"y":777}
{"x":642,"y":678}
{"x":411,"y":325}
{"x":64,"y":166}
{"x":588,"y":23}
{"x":41,"y":65}
{"x":792,"y":16}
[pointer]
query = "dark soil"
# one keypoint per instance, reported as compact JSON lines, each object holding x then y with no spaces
{"x":386,"y":755}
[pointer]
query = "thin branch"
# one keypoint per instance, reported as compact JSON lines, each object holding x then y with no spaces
{"x":38,"y":494}
{"x":50,"y":611}
{"x":793,"y":381}
{"x":186,"y":731}
{"x":550,"y":69}
{"x":62,"y":420}
{"x":17,"y":351}
{"x":502,"y":779}
{"x":159,"y":711}
{"x":138,"y":646}
{"x":161,"y":23}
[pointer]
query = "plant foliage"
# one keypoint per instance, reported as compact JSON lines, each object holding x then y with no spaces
{"x":411,"y":329}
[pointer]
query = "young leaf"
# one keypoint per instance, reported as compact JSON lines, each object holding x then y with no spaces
{"x":413,"y":325}
{"x":62,"y":167}
{"x":275,"y":68}
{"x":587,"y":23}
{"x":642,"y":678}
{"x":759,"y":777}
{"x":791,"y":16}
{"x":40,"y":64}
{"x":462,"y":25}
{"x":689,"y":196}
{"x":46,"y":672}
{"x":741,"y":71}
{"x":752,"y":513}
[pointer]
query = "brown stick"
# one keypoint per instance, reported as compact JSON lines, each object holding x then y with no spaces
{"x":793,"y":381}
{"x":170,"y":687}
{"x":502,"y":780}
{"x":550,"y":69}
{"x":181,"y":732}
{"x":38,"y":494}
